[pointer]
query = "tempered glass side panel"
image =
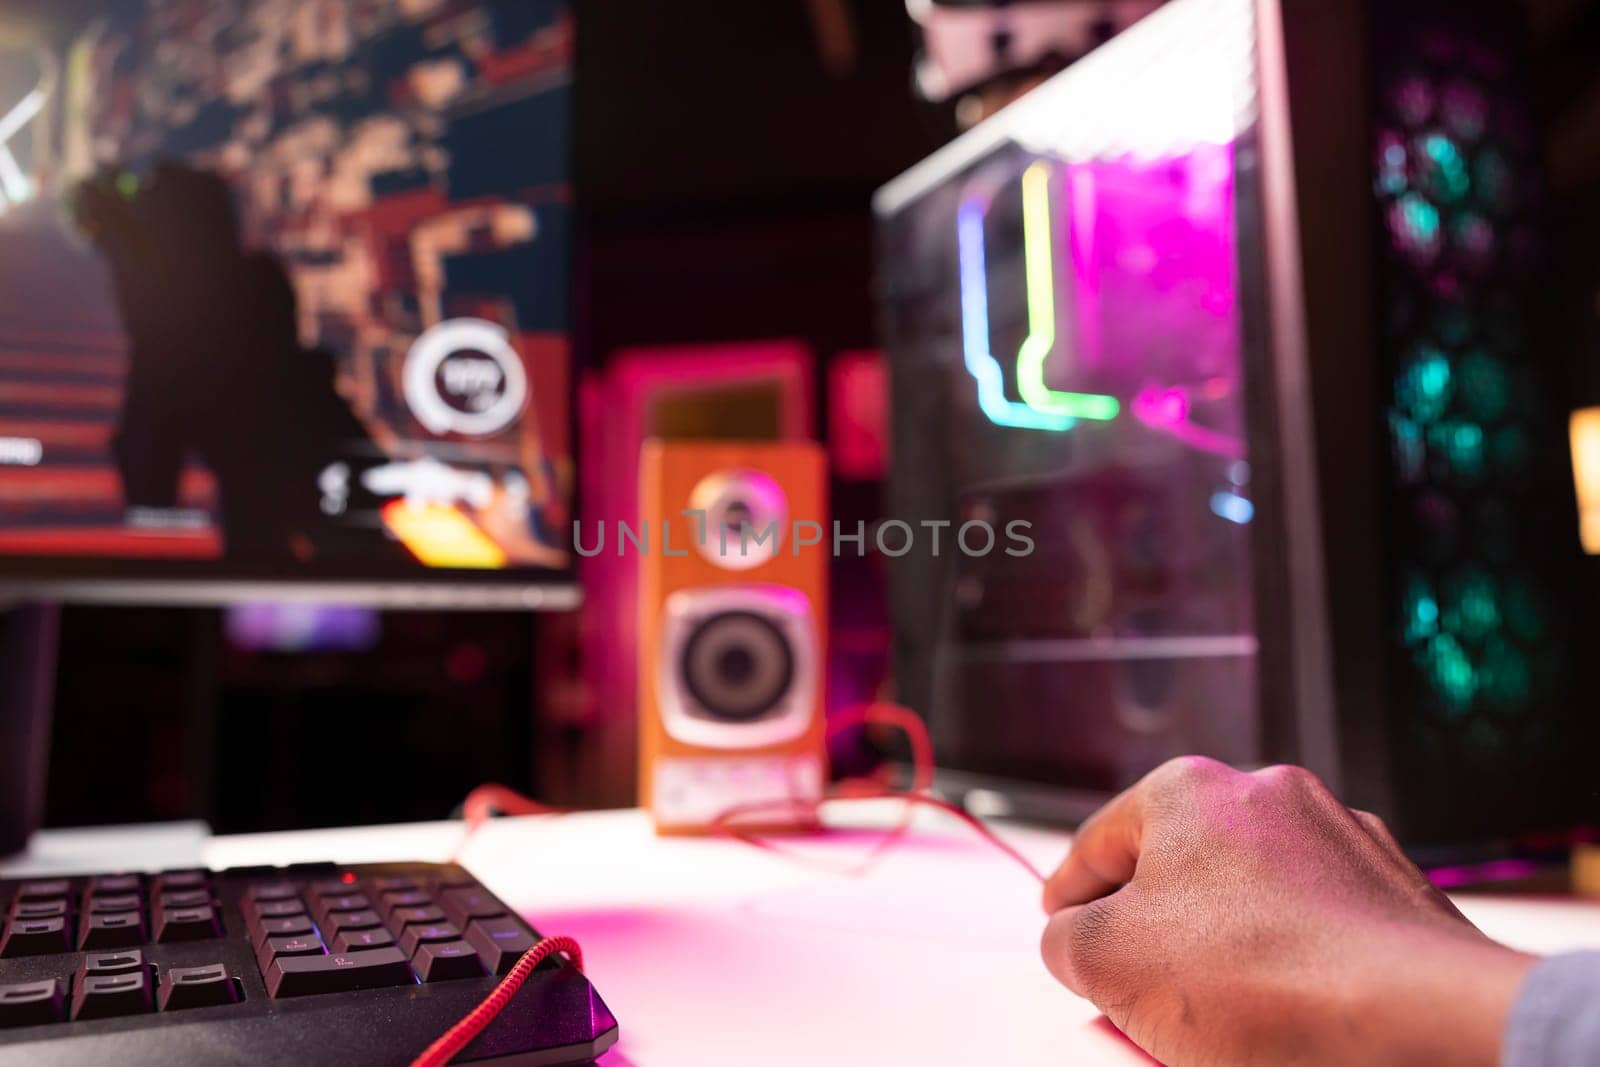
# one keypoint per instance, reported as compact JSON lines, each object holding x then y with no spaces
{"x":1063,"y":305}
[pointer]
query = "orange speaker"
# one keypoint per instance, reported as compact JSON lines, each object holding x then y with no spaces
{"x":735,"y":540}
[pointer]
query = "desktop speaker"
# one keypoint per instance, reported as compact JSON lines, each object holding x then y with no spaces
{"x":734,"y":543}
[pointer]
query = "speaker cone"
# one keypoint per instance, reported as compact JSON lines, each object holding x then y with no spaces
{"x":737,"y":665}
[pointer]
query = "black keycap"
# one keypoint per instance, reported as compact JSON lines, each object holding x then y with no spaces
{"x":461,"y":906}
{"x":191,"y":878}
{"x":38,"y":909}
{"x":102,"y":995}
{"x":186,"y":924}
{"x":455,"y":878}
{"x":271,"y":891}
{"x":444,"y":960}
{"x":119,"y":962}
{"x":118,"y":929}
{"x":295,"y":976}
{"x":405,"y":898}
{"x":332,"y":887}
{"x":30,"y":1003}
{"x":114,"y":902}
{"x":394,"y":884}
{"x":35,"y":937}
{"x":56,"y":887}
{"x":197,"y":987}
{"x":361,"y":940}
{"x":113,"y":885}
{"x":273,"y":909}
{"x":293,"y":926}
{"x":350,"y":920}
{"x":347,"y":902}
{"x":500,"y":941}
{"x":400,"y":918}
{"x":185,"y":898}
{"x":413,"y":936}
{"x":279,"y":947}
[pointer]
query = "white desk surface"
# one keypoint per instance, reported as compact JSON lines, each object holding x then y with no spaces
{"x":714,"y":953}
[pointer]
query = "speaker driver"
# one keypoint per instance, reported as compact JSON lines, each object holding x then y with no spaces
{"x":737,"y":665}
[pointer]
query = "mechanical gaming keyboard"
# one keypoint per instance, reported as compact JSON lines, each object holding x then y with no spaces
{"x":309,"y":964}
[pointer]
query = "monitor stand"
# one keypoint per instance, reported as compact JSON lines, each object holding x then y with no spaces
{"x":28,"y":635}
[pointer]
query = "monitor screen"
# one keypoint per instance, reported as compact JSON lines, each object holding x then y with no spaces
{"x":285,"y":297}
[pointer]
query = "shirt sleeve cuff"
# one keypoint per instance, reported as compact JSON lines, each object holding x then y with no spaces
{"x":1555,"y":1020}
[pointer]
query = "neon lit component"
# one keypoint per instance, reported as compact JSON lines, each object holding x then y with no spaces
{"x":1041,"y":286}
{"x":1168,"y":410}
{"x":1233,"y":507}
{"x":979,"y":360}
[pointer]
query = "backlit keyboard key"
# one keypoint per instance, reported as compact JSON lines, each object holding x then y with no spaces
{"x":58,"y":887}
{"x":185,"y":898}
{"x":347,"y":902}
{"x":120,"y":962}
{"x":500,"y":941}
{"x":35,"y":937}
{"x":113,"y":885}
{"x":408,"y":898}
{"x":295,"y":976}
{"x":403,"y":917}
{"x":38,"y":909}
{"x":293,"y":926}
{"x":113,"y":902}
{"x":339,"y":921}
{"x":421,"y":935}
{"x":444,"y":960}
{"x":118,"y":929}
{"x":100,"y":996}
{"x":186,"y":924}
{"x":271,"y":891}
{"x":280,"y":947}
{"x":272,"y":909}
{"x":197,"y":987}
{"x":461,"y":906}
{"x":361,"y":940}
{"x":31,"y":1003}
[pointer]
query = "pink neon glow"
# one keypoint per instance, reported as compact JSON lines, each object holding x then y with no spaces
{"x":1493,"y":871}
{"x":1155,"y":293}
{"x":1162,"y":407}
{"x":1168,"y":410}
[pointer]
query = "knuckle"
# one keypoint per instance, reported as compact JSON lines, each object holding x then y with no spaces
{"x":1288,"y":776}
{"x":1369,"y":820}
{"x":1188,"y":772}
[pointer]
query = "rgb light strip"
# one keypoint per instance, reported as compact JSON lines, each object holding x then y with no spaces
{"x":981,"y":364}
{"x":1038,"y":256}
{"x":1042,"y":408}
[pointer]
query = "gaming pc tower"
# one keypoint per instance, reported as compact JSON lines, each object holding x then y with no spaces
{"x":1240,"y":312}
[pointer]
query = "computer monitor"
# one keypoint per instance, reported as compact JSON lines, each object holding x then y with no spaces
{"x":285,"y":314}
{"x":285,"y":303}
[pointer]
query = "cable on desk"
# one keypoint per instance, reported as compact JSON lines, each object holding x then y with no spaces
{"x":474,"y":1022}
{"x":485,"y":800}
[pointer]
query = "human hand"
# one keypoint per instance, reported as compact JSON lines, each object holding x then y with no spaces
{"x":1220,"y":917}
